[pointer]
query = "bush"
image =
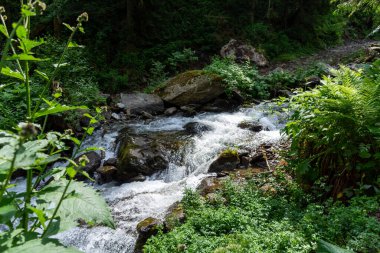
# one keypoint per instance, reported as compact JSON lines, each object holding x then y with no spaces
{"x":335,"y":130}
{"x":242,"y":77}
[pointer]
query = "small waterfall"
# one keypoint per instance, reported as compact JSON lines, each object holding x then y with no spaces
{"x":133,"y":202}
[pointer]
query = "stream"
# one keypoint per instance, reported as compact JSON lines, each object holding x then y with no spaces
{"x":131,"y":203}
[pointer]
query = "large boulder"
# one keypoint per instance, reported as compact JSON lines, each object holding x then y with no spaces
{"x":139,"y":155}
{"x":241,"y":52}
{"x":137,"y":103}
{"x":192,"y":87}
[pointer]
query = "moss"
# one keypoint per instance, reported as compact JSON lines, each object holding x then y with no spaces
{"x":229,"y":152}
{"x":148,"y":222}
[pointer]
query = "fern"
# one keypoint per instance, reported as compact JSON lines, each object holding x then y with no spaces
{"x":335,"y":129}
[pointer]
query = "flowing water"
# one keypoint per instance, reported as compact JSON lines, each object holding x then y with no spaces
{"x":133,"y":202}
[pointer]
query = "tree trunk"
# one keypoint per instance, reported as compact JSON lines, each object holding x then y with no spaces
{"x":130,"y":11}
{"x":253,"y":9}
{"x":57,"y":23}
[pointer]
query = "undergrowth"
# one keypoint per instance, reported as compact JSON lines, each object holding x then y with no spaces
{"x":250,"y":218}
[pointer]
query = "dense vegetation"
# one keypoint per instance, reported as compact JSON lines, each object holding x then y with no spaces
{"x":327,"y":189}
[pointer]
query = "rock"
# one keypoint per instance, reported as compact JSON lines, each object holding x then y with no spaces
{"x":242,"y":52}
{"x":170,"y":111}
{"x":188,"y":110}
{"x":312,"y":81}
{"x":139,"y":155}
{"x":245,"y":161}
{"x":107,"y":173}
{"x":146,"y":115}
{"x":136,"y":103}
{"x":285,"y":93}
{"x":176,"y":216}
{"x":115,"y":116}
{"x":139,"y":178}
{"x":94,"y":162}
{"x":257,"y":158}
{"x":196,"y":128}
{"x":110,"y":162}
{"x":254,"y":126}
{"x":146,"y":229}
{"x":120,"y":106}
{"x":228,"y":160}
{"x":209,"y":185}
{"x":192,"y":87}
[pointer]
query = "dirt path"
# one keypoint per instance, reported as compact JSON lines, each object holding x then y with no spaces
{"x":331,"y":56}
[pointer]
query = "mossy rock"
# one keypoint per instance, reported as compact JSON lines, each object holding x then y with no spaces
{"x":227,"y":160}
{"x":192,"y":87}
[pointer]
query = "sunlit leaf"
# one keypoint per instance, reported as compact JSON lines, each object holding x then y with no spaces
{"x":12,"y":73}
{"x":73,"y":44}
{"x":24,"y":57}
{"x":3,"y":30}
{"x":20,"y":31}
{"x":69,"y":27}
{"x":40,"y":215}
{"x":28,"y":45}
{"x":57,"y":109}
{"x":42,"y":74}
{"x":82,"y":202}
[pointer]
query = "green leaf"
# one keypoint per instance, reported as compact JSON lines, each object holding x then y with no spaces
{"x":6,"y":213}
{"x":28,"y":154}
{"x":89,"y":130}
{"x":73,"y":44}
{"x":28,"y":44}
{"x":325,"y":247}
{"x":40,"y":215}
{"x":20,"y":31}
{"x":69,"y":27}
{"x":57,"y":109}
{"x":82,"y":202}
{"x":60,"y":65}
{"x":3,"y":30}
{"x":38,"y":246}
{"x":24,"y":57}
{"x":27,"y":12}
{"x":71,"y":172}
{"x":42,"y":74}
{"x":15,"y":74}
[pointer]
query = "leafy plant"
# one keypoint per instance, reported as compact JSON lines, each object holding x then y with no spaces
{"x":244,"y":78}
{"x":31,"y":216}
{"x":335,"y":130}
{"x":250,"y":219}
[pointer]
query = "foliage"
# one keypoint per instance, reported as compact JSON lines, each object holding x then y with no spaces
{"x":335,"y":130}
{"x":50,"y":201}
{"x":177,"y":62}
{"x":125,"y":37}
{"x":248,"y":218}
{"x":244,"y":77}
{"x":76,"y":78}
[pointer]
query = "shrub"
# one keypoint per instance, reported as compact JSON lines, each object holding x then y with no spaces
{"x":335,"y":130}
{"x":242,"y":77}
